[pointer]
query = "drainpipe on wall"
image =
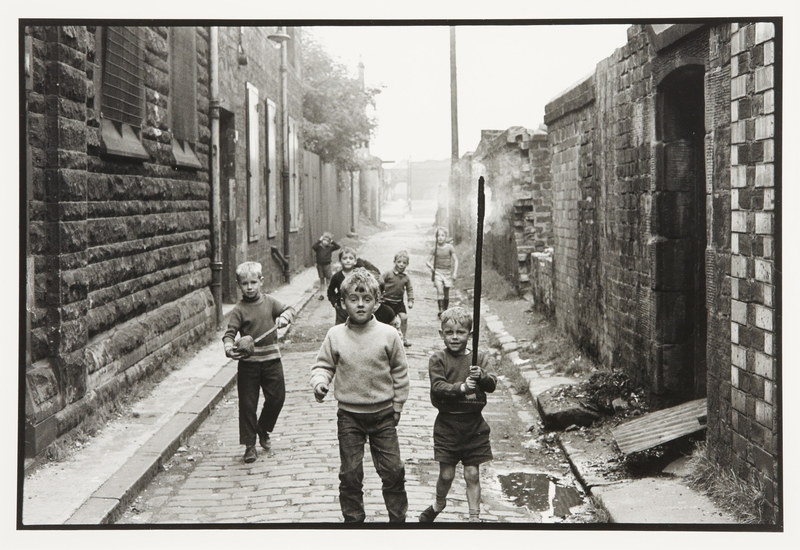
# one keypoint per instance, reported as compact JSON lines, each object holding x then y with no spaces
{"x":216,"y":243}
{"x":285,"y":172}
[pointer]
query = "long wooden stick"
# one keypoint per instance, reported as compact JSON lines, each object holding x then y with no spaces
{"x":435,"y":250}
{"x":476,"y":300}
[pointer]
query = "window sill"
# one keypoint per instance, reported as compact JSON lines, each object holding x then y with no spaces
{"x":183,"y":156}
{"x":122,"y":141}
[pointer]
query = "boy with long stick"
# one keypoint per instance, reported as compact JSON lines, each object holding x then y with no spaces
{"x":459,"y":384}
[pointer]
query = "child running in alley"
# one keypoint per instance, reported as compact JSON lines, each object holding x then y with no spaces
{"x":397,"y":283}
{"x":324,"y":249}
{"x":460,"y":433}
{"x":368,"y":361}
{"x":349,"y":260}
{"x":260,"y":364}
{"x":444,"y":268}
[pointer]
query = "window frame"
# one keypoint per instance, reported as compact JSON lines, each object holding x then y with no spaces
{"x":183,"y":147}
{"x":271,"y":164}
{"x":295,"y":214}
{"x":118,"y":139}
{"x":253,"y":164}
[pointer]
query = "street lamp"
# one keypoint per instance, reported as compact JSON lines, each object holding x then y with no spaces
{"x":280,"y":37}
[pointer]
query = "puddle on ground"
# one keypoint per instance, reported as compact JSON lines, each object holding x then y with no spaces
{"x":539,"y":493}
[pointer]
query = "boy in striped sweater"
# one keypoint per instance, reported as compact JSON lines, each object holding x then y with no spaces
{"x":254,"y":315}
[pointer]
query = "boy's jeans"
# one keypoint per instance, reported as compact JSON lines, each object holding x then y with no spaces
{"x":354,"y":428}
{"x":252,"y":376}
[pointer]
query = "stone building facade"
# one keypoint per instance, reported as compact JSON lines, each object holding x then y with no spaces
{"x":261,"y":156}
{"x":118,"y":234}
{"x":665,"y":207}
{"x":119,"y":188}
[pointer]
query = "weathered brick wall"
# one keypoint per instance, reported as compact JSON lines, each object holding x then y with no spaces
{"x":718,"y":252}
{"x":616,"y":247}
{"x":571,"y":124}
{"x":119,"y":250}
{"x":539,"y":221}
{"x":623,"y":167}
{"x":540,"y":268}
{"x":519,"y":199}
{"x":754,"y":412}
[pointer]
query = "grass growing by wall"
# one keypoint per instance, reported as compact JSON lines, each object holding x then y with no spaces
{"x":733,"y":494}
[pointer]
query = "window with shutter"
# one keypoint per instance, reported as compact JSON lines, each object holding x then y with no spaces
{"x":253,"y":165}
{"x":295,"y":221}
{"x":183,"y":96}
{"x":122,"y":91}
{"x":272,"y":170}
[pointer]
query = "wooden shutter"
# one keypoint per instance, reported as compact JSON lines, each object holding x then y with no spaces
{"x":253,"y":165}
{"x":272,"y":170}
{"x":122,"y":78}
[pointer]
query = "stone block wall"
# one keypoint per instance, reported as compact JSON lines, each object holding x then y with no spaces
{"x":118,"y":251}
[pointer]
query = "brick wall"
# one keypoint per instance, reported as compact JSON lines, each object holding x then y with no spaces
{"x":753,"y":384}
{"x":118,"y":251}
{"x":540,"y":268}
{"x":631,"y":246}
{"x":519,"y":199}
{"x":571,"y":126}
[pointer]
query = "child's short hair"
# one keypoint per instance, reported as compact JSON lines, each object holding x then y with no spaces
{"x":443,"y":230}
{"x":348,"y":250}
{"x":248,"y":268}
{"x":360,"y":280}
{"x":327,"y":234}
{"x":458,"y":316}
{"x":401,"y":254}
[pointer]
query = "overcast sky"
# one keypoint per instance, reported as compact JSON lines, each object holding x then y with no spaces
{"x":506,"y":76}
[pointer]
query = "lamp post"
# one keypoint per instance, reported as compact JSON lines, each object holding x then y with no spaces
{"x":280,"y":37}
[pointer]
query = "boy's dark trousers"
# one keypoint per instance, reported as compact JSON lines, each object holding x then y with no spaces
{"x":353,"y":430}
{"x":252,"y":376}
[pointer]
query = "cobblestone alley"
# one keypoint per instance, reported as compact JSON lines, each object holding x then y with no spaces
{"x":296,"y":481}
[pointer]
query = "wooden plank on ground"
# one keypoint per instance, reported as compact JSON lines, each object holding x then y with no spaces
{"x":658,"y":427}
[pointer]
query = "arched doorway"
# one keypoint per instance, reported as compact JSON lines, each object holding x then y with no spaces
{"x":679,"y":230}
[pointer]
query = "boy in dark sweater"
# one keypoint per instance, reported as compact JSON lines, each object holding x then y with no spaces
{"x":254,"y":316}
{"x":369,"y":363}
{"x":349,"y":259}
{"x":397,"y":284}
{"x":324,"y":249}
{"x":460,"y":433}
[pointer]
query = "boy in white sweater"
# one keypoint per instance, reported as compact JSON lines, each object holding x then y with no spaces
{"x":369,"y":362}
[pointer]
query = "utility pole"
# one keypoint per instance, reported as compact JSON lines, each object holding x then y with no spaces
{"x":453,"y":195}
{"x":408,"y":185}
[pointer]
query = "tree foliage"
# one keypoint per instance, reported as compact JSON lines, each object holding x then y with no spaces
{"x":336,"y":122}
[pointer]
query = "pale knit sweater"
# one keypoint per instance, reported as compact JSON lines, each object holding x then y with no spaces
{"x":370,"y":366}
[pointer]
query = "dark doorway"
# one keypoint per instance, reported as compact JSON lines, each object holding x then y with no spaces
{"x":227,"y":177}
{"x":680,"y":228}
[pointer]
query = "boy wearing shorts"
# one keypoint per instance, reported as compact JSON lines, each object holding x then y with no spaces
{"x":460,"y":433}
{"x":396,"y":284}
